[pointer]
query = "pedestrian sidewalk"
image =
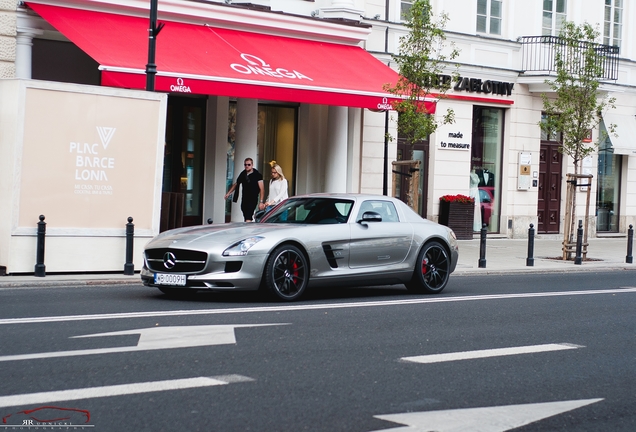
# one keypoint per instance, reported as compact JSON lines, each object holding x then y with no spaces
{"x":503,"y":256}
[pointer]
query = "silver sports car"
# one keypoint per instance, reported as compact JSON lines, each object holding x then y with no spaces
{"x":311,"y":240}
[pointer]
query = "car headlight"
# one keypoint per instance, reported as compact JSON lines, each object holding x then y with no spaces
{"x":241,"y":248}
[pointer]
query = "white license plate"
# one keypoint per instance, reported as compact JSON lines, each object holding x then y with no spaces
{"x":170,"y":279}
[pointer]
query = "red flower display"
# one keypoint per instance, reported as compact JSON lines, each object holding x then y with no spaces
{"x":463,"y":199}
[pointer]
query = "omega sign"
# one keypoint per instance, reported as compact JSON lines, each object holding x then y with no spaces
{"x":180,"y":87}
{"x":258,"y":66}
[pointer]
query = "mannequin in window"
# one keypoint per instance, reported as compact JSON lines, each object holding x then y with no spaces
{"x":474,"y":193}
{"x":486,"y":178}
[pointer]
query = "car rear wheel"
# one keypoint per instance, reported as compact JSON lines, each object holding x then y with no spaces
{"x":286,"y":273}
{"x":432,"y":270}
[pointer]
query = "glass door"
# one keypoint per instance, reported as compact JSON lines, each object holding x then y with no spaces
{"x":182,"y":197}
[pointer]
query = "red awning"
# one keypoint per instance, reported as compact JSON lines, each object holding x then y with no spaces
{"x":207,"y":60}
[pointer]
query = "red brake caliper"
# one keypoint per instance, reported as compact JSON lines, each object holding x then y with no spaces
{"x":424,"y":266}
{"x":295,"y":270}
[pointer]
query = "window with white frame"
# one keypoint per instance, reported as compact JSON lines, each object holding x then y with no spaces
{"x":554,"y":14}
{"x":613,"y":22}
{"x":405,"y":8}
{"x":489,"y":16}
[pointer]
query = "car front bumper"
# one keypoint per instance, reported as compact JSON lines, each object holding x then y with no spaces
{"x":239,"y":273}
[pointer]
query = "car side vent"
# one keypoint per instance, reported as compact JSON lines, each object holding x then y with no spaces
{"x":233,"y":266}
{"x":332,"y":254}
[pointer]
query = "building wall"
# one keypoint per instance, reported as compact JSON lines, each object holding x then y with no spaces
{"x":65,"y":154}
{"x":496,"y":57}
{"x":8,"y":26}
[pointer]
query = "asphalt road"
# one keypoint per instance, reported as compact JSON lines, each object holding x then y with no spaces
{"x":551,"y":352}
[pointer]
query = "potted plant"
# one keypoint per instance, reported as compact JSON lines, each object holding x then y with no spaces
{"x":457,"y":212}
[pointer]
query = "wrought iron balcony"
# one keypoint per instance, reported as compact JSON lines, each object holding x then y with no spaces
{"x":539,"y":54}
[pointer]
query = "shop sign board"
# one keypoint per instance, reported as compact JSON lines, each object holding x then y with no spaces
{"x":89,"y":160}
{"x":455,"y":141}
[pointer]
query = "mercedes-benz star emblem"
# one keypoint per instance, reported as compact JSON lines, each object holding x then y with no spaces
{"x":169,"y":260}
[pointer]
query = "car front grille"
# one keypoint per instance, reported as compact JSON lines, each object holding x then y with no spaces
{"x":167,"y":260}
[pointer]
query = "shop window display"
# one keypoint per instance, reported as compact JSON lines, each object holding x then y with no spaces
{"x":485,"y":179}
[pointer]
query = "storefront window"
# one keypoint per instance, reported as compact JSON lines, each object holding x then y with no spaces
{"x":485,"y":174}
{"x":231,"y":141}
{"x":607,"y":192}
{"x":276,"y":141}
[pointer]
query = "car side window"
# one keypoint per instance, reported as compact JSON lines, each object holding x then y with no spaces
{"x":386,"y":209}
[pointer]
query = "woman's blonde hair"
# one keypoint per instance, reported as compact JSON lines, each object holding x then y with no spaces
{"x":278,"y":169}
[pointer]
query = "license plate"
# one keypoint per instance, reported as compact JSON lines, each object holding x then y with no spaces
{"x":170,"y":279}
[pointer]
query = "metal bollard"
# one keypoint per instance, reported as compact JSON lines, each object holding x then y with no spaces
{"x":482,"y":247}
{"x":530,"y":259}
{"x":579,"y":243}
{"x":40,"y":268}
{"x":629,"y":259}
{"x":129,"y":267}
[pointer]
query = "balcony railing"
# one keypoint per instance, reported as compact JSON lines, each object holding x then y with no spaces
{"x":539,"y":54}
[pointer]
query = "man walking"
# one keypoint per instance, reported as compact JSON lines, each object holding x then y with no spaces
{"x":252,"y":182}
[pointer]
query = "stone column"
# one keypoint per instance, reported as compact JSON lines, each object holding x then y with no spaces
{"x":336,"y":151}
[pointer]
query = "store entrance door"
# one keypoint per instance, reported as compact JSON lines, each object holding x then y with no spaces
{"x":418,"y":151}
{"x":182,"y":189}
{"x":549,"y":204}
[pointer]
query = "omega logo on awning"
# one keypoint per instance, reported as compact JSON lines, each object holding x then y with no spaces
{"x":180,"y":87}
{"x":258,"y":66}
{"x":385,"y":105}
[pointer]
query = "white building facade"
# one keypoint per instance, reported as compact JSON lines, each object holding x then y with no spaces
{"x":326,"y":127}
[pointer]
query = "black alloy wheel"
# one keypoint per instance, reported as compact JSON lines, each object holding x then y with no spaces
{"x":432,"y":269}
{"x":286,"y":273}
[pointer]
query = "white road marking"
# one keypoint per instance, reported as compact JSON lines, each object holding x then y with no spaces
{"x":302,"y":307}
{"x":118,"y":390}
{"x":153,"y":338}
{"x":498,"y":352}
{"x":487,"y":419}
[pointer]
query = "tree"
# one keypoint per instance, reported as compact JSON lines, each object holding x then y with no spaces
{"x":421,"y":59}
{"x":575,"y":108}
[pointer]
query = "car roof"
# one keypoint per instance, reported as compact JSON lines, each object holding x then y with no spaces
{"x":352,"y":196}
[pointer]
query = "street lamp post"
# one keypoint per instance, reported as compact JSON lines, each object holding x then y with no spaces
{"x":153,"y":32}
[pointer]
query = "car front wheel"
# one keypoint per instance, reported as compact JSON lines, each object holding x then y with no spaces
{"x":432,"y":270}
{"x":286,"y":273}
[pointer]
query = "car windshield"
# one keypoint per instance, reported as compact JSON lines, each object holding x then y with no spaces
{"x":310,"y":211}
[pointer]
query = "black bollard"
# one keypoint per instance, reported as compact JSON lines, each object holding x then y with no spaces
{"x":40,"y":268}
{"x":482,"y":247}
{"x":530,"y":259}
{"x":629,"y":259}
{"x":579,"y":243}
{"x":129,"y":267}
{"x":209,"y":221}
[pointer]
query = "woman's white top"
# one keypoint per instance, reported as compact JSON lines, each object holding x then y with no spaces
{"x":277,"y":191}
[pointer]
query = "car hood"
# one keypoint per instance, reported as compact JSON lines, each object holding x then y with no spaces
{"x":201,"y":236}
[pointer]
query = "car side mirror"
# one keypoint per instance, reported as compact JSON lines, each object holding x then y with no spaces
{"x":370,"y":216}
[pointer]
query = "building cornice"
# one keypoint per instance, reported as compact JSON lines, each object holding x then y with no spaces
{"x":236,"y":17}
